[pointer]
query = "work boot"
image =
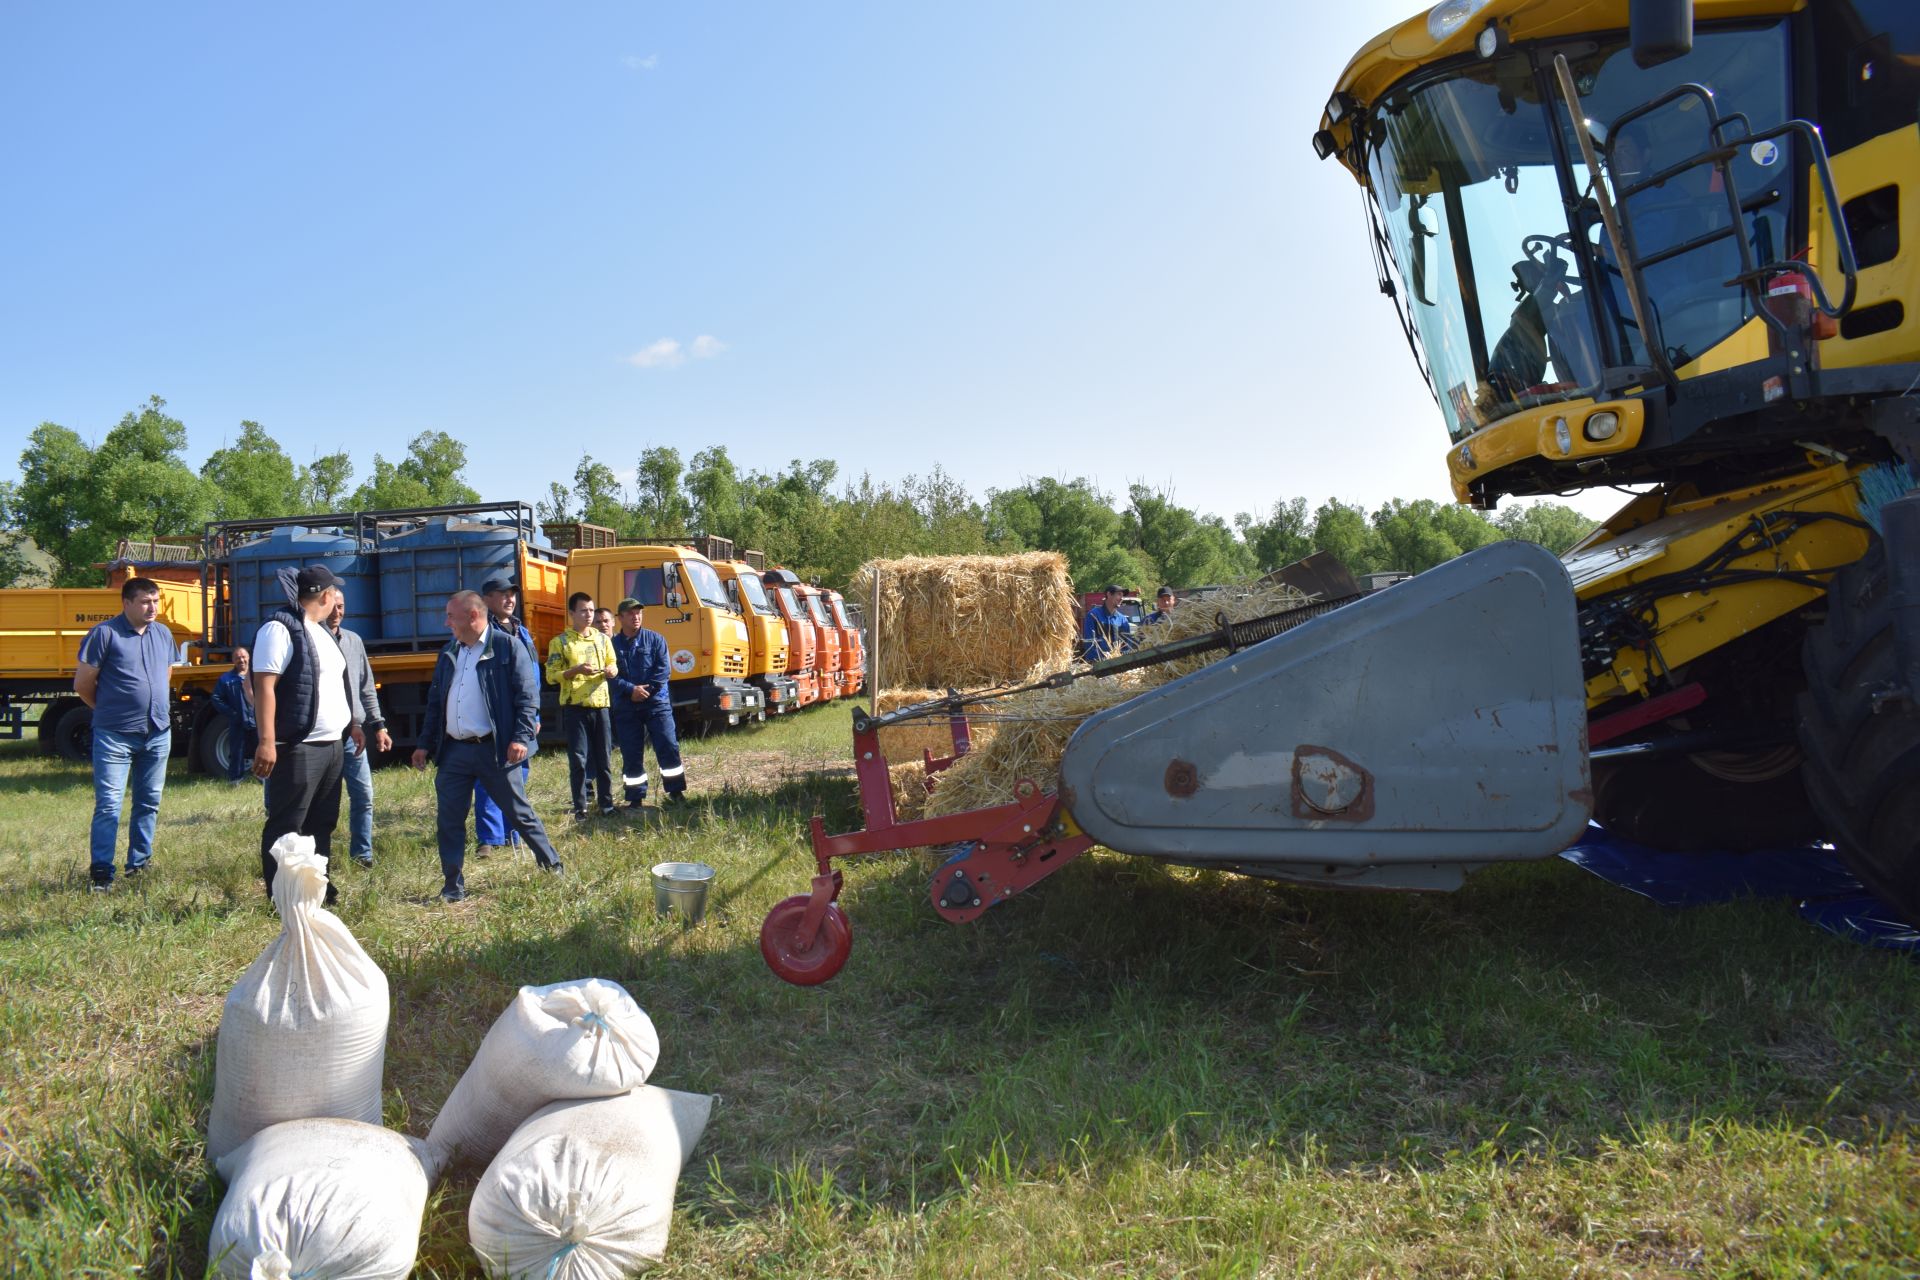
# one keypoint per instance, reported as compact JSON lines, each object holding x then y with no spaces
{"x":554,"y":868}
{"x":488,"y":850}
{"x":454,"y":890}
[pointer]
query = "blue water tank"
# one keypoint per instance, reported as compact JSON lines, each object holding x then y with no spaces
{"x":254,"y":570}
{"x":421,"y":568}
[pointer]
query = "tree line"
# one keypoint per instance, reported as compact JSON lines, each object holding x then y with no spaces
{"x":74,"y":501}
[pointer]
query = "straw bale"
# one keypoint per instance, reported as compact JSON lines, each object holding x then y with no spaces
{"x":906,"y":741}
{"x":967,"y":622}
{"x":909,"y":784}
{"x":1029,"y":731}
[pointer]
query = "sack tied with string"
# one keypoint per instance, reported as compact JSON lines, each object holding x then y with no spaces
{"x":321,"y":1200}
{"x":581,"y":1039}
{"x":584,"y":1190}
{"x":304,"y":1033}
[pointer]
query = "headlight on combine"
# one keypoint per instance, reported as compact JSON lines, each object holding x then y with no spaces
{"x":1447,"y":17}
{"x":1603,"y":425}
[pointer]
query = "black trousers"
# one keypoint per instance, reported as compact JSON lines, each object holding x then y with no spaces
{"x":461,"y":765}
{"x":303,"y":795}
{"x":589,"y":751}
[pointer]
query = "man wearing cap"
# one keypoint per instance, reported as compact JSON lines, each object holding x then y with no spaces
{"x":303,"y":701}
{"x":1107,"y":629}
{"x":1163,"y":602}
{"x":643,"y":708}
{"x":479,"y":728}
{"x":490,"y":829}
{"x":579,"y":660}
{"x":355,"y":768}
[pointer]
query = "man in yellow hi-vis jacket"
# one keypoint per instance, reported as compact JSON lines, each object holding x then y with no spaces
{"x":579,"y":660}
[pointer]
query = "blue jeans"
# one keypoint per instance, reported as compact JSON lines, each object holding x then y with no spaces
{"x":115,"y":756}
{"x":357,"y":772}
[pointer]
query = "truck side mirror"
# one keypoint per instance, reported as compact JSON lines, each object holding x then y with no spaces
{"x":1660,"y":30}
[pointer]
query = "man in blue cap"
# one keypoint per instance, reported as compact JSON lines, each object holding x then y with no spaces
{"x":643,"y":707}
{"x":489,"y":824}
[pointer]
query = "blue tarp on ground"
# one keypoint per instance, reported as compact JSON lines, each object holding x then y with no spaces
{"x":1829,"y":896}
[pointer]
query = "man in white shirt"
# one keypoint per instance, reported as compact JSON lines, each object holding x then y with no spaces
{"x":303,"y":703}
{"x":482,"y":707}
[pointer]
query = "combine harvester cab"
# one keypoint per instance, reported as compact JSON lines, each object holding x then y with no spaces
{"x":803,"y":638}
{"x":684,"y":599}
{"x":769,"y":654}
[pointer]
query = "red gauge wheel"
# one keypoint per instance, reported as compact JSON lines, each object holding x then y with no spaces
{"x":779,"y":943}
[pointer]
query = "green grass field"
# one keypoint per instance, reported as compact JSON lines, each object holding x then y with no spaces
{"x":1128,"y":1071}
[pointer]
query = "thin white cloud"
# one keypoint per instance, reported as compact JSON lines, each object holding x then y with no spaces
{"x":671,"y":353}
{"x":664,"y":354}
{"x":634,"y":62}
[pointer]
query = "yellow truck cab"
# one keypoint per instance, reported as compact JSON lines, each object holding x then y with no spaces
{"x":768,"y":657}
{"x":708,"y":645}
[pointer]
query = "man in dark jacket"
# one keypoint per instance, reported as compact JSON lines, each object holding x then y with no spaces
{"x":233,"y":698}
{"x":481,"y":712}
{"x":303,"y":703}
{"x":643,"y":707}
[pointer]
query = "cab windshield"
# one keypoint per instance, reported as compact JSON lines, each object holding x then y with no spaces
{"x":1487,"y":208}
{"x":789,"y":599}
{"x":755,"y":592}
{"x":814,"y":610}
{"x":839,"y":613}
{"x":706,"y":583}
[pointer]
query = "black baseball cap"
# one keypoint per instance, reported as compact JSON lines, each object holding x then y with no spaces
{"x":314,"y":579}
{"x":1164,"y":593}
{"x":492,"y":585}
{"x":1111,"y":588}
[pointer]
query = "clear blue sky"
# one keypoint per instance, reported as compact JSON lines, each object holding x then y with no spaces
{"x":1012,"y":239}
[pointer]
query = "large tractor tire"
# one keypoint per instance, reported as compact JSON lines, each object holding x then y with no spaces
{"x":1861,"y":736}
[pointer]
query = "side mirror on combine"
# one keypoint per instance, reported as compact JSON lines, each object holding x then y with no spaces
{"x":1660,"y":30}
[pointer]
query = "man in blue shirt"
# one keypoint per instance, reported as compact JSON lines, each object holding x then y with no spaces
{"x":233,"y":698}
{"x":489,"y":824}
{"x":1107,"y":629}
{"x":1163,"y":601}
{"x":643,"y":708}
{"x":123,"y":674}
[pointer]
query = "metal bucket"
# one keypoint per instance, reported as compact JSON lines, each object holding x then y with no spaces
{"x":681,"y":887}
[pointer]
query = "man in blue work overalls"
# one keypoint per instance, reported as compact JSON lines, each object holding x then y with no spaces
{"x":643,"y":708}
{"x":489,"y":824}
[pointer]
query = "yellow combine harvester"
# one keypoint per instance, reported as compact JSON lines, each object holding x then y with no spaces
{"x":1679,"y":246}
{"x":1630,"y":245}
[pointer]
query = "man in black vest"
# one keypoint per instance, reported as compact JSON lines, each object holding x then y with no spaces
{"x":303,"y":702}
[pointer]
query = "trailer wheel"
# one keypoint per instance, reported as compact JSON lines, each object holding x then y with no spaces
{"x":811,"y":965}
{"x":214,"y":743}
{"x":1862,"y":739}
{"x":50,"y":717}
{"x":73,"y":734}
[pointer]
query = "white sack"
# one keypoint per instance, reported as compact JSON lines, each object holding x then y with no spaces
{"x":584,"y":1190}
{"x":327,"y":1199}
{"x":581,"y":1039}
{"x":304,"y":1034}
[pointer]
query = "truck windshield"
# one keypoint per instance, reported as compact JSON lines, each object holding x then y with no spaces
{"x":792,"y":601}
{"x":706,"y":583}
{"x":756,"y":592}
{"x":1487,"y":210}
{"x":814,"y":610}
{"x":839,"y":613}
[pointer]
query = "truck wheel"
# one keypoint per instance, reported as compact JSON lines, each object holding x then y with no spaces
{"x":1862,"y":745}
{"x":215,"y":742}
{"x":73,"y":734}
{"x":1672,"y":802}
{"x":50,"y":718}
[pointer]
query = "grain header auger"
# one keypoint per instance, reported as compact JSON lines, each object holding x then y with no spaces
{"x":1302,"y":754}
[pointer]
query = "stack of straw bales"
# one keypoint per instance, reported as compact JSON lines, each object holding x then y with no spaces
{"x":967,"y":622}
{"x":1024,"y":736}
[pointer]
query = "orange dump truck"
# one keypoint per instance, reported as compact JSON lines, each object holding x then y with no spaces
{"x":853,"y":648}
{"x":803,"y":638}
